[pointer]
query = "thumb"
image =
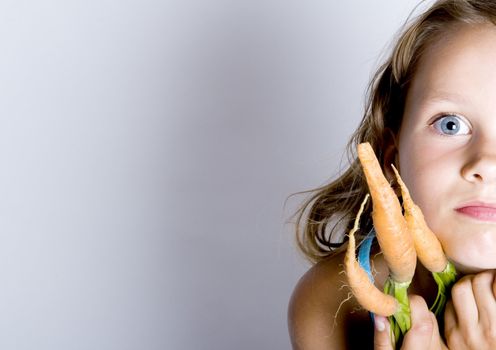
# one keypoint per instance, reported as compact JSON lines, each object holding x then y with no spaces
{"x":382,"y":334}
{"x":424,"y":333}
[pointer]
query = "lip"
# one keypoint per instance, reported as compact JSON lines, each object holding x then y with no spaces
{"x":478,"y":210}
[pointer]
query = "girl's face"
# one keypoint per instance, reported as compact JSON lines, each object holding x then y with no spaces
{"x":447,"y":144}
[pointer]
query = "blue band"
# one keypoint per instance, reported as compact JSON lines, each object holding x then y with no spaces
{"x":364,"y":253}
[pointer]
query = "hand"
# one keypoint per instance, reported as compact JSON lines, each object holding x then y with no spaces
{"x":470,"y":317}
{"x":423,"y":335}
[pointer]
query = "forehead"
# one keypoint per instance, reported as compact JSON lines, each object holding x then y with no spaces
{"x":458,"y":63}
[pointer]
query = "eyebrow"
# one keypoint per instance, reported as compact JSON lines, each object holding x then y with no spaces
{"x":444,"y":96}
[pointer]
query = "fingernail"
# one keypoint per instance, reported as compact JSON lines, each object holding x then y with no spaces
{"x":380,"y":323}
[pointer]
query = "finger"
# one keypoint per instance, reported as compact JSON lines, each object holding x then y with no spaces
{"x":452,"y":334}
{"x":464,"y":303}
{"x":424,"y":333}
{"x":382,"y":337}
{"x":482,"y":285}
{"x":450,"y":319}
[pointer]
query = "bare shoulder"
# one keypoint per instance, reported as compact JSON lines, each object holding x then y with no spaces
{"x":322,"y":313}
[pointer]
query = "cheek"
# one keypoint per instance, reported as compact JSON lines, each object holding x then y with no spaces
{"x":423,"y":181}
{"x":428,"y":171}
{"x":430,"y":183}
{"x":430,"y":192}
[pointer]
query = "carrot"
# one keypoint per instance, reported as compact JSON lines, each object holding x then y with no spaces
{"x":390,"y":225}
{"x":394,"y":239}
{"x":366,"y":293}
{"x":428,"y":247}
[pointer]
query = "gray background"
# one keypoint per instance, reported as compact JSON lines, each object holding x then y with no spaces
{"x":147,"y":149}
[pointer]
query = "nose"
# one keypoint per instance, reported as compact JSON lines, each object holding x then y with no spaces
{"x":481,"y":168}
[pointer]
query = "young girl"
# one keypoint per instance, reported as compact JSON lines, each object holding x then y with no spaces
{"x":431,"y":113}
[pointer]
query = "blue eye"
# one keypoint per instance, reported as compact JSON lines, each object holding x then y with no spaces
{"x":451,"y":125}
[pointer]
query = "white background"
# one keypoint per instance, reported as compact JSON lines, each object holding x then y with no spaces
{"x":146,"y":152}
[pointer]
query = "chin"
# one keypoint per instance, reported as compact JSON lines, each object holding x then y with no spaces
{"x":473,"y":251}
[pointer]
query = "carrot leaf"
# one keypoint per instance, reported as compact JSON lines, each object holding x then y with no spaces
{"x":444,"y":280}
{"x":400,"y":322}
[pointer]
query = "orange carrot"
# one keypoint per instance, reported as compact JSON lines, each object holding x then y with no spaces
{"x":391,"y":229}
{"x":368,"y":295}
{"x":428,"y":247}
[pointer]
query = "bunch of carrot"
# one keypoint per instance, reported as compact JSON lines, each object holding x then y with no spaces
{"x":402,"y":239}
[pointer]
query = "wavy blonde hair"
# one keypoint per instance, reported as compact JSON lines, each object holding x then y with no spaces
{"x":328,"y":213}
